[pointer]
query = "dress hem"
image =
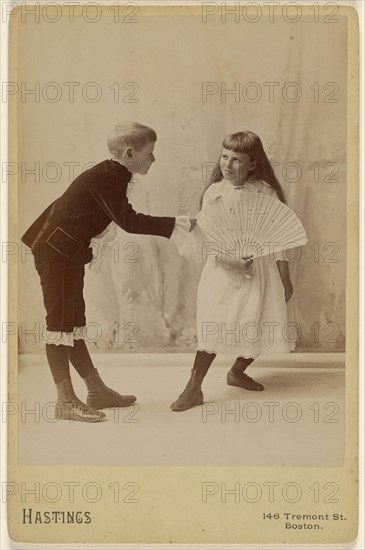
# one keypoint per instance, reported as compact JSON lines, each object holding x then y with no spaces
{"x":220,"y":353}
{"x":248,"y":356}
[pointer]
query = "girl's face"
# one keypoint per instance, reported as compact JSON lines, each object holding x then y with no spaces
{"x":235,"y":166}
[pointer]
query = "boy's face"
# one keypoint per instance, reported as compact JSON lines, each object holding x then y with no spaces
{"x":140,"y":161}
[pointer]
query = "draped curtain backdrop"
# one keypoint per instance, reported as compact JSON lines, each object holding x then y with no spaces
{"x":144,"y":297}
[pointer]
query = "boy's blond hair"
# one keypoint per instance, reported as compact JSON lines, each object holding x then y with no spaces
{"x":129,"y":134}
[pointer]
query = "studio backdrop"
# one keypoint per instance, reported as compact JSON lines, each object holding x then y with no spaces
{"x":193,"y":81}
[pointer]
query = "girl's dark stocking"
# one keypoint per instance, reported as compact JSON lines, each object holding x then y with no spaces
{"x":241,"y":364}
{"x":202,"y":362}
{"x":237,"y":377}
{"x":192,"y":394}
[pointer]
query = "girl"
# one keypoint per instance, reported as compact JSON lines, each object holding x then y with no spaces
{"x":238,"y":313}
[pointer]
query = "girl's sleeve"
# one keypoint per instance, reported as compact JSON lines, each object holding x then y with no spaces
{"x":194,"y":245}
{"x":180,"y":231}
{"x":190,"y":245}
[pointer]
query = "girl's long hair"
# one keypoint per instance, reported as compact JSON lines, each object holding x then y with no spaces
{"x":250,"y":144}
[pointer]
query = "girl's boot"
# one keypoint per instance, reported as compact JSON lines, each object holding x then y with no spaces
{"x":237,"y":377}
{"x":192,"y":394}
{"x":69,"y":407}
{"x":100,"y":396}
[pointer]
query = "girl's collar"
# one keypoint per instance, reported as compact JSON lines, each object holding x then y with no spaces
{"x":247,"y":185}
{"x":217,"y":189}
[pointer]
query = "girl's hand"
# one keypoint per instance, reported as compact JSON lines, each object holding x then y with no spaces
{"x":289,"y":290}
{"x":247,"y":261}
{"x":245,"y":264}
{"x":285,"y":279}
{"x":242,"y":264}
{"x":247,"y":267}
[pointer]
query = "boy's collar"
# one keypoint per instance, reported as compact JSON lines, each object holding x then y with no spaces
{"x":120,"y":165}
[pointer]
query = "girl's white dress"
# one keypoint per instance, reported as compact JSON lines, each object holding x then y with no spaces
{"x":238,"y":315}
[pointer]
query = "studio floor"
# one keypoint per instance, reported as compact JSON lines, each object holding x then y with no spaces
{"x":298,"y":420}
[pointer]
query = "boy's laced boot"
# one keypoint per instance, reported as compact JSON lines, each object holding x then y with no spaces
{"x":237,"y":377}
{"x":192,"y":394}
{"x":101,"y":397}
{"x":69,"y":407}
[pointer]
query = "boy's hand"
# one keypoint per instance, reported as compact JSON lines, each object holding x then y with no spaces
{"x":192,"y":224}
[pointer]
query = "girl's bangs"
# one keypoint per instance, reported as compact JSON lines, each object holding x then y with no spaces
{"x":239,"y":143}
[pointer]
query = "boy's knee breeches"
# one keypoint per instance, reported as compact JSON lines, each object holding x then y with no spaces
{"x":62,"y":287}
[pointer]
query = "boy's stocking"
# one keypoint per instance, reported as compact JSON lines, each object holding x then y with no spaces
{"x":57,"y":357}
{"x":80,"y":358}
{"x":99,"y":395}
{"x":68,"y":406}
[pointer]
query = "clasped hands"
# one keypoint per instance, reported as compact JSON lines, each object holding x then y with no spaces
{"x":242,"y":264}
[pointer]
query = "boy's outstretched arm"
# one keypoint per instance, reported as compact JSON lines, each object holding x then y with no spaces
{"x":114,"y":202}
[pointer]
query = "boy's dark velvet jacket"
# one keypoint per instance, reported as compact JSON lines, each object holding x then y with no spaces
{"x":92,"y":201}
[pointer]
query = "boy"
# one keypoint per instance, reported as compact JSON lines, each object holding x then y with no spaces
{"x":60,"y":242}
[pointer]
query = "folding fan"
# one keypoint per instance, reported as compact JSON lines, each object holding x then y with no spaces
{"x":251,"y":225}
